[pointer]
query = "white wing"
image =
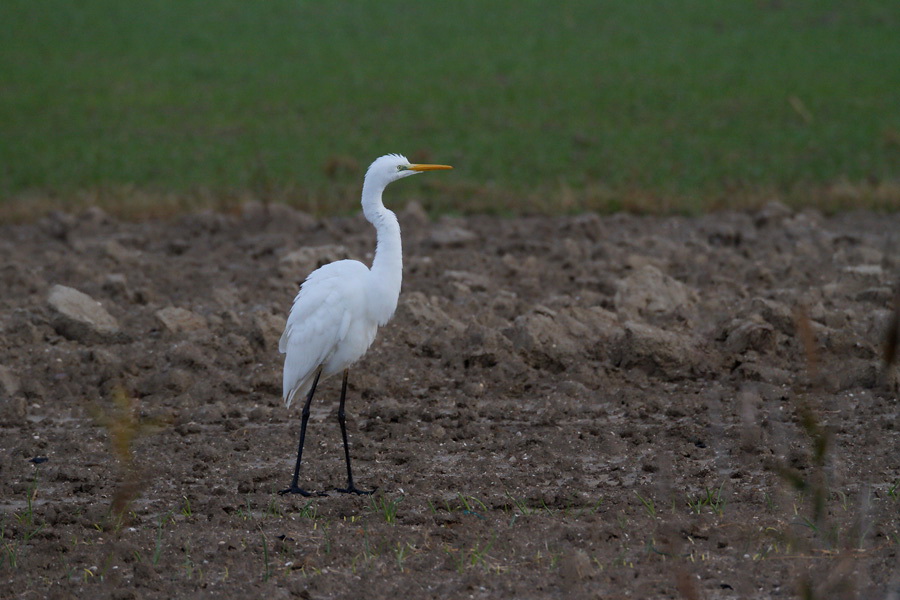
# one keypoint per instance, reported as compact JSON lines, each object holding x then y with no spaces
{"x":320,"y":318}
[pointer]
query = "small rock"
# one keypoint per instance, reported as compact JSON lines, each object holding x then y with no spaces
{"x":116,"y":286}
{"x":79,"y":317}
{"x":475,"y":282}
{"x":120,"y":253}
{"x":179,"y":320}
{"x":650,"y":292}
{"x":875,"y":271}
{"x":9,"y":383}
{"x":775,"y":313}
{"x":750,"y":334}
{"x":450,"y":236}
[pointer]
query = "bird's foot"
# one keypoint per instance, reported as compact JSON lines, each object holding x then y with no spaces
{"x":298,"y":490}
{"x":352,"y":489}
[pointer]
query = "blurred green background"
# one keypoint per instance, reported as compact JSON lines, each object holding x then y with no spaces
{"x":656,"y":105}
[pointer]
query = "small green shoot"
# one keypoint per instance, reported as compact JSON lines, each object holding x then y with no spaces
{"x":267,"y":569}
{"x":893,"y":492}
{"x":29,"y":500}
{"x":696,"y":506}
{"x":401,"y":552}
{"x":10,"y":555}
{"x":469,"y":504}
{"x":186,"y":507}
{"x":648,"y":504}
{"x":367,"y":550}
{"x":845,"y":502}
{"x":387,"y":508}
{"x":476,"y":556}
{"x":710,"y":498}
{"x":188,"y":561}
{"x":157,"y":550}
{"x":308,"y":510}
{"x":520,"y":505}
{"x":327,"y":539}
{"x":596,"y":507}
{"x":274,"y":509}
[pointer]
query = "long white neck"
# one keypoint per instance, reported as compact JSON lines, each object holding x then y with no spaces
{"x":387,"y":266}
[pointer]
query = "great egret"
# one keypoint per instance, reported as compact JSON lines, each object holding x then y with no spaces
{"x":341,"y":305}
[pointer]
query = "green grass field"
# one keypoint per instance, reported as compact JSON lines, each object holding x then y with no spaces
{"x":657,"y":105}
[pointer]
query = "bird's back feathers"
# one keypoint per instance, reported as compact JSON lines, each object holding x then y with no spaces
{"x":324,"y":325}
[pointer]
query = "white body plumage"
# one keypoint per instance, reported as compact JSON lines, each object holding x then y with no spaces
{"x":340,"y":306}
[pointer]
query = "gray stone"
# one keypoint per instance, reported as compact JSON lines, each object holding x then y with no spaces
{"x":79,"y":317}
{"x":474,"y":282}
{"x":450,"y":236}
{"x":120,"y":253}
{"x":180,"y":320}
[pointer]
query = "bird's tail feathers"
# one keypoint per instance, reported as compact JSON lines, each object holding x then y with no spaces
{"x":289,"y":399}
{"x":300,"y":389}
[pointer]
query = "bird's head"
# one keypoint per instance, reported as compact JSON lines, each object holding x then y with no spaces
{"x":392,"y":167}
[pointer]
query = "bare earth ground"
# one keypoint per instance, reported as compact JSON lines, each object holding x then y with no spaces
{"x":583,"y":407}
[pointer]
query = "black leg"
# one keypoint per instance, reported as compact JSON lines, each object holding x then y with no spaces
{"x":350,"y":489}
{"x":295,"y":489}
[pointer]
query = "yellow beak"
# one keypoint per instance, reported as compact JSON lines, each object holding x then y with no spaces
{"x":429,"y":167}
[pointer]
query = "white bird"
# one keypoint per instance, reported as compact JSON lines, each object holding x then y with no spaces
{"x":341,"y":305}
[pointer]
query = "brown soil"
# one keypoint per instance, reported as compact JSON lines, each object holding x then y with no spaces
{"x":599,"y":407}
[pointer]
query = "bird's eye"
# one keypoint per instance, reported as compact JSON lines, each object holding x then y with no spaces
{"x":401,"y":168}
